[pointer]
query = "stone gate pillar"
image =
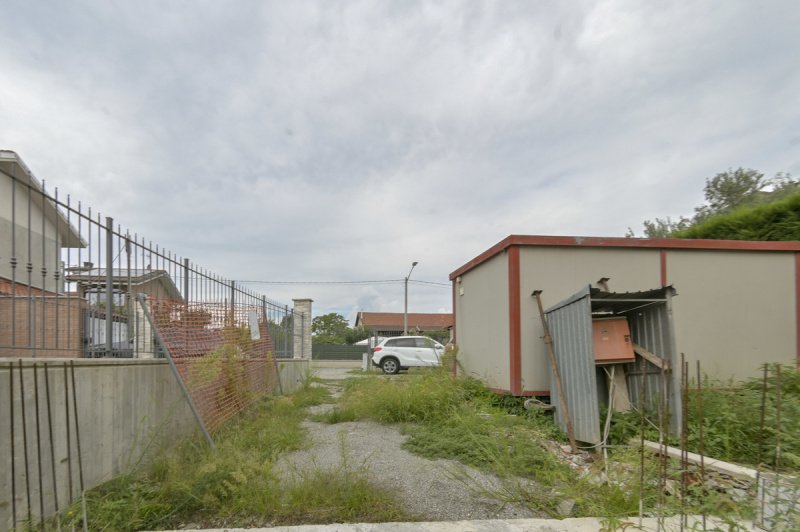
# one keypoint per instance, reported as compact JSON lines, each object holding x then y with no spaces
{"x":302,"y":328}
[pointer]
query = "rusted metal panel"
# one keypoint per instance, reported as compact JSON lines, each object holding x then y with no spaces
{"x":571,"y":328}
{"x":611,"y":340}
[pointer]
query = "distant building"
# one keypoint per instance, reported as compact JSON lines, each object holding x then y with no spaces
{"x":156,"y":284}
{"x":37,"y":317}
{"x":32,"y":231}
{"x":391,"y":323}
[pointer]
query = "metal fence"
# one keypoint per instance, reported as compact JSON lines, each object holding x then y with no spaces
{"x":338,"y":352}
{"x":70,"y":281}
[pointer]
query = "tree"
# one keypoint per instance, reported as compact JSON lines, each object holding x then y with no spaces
{"x":356,"y":334}
{"x":731,"y":189}
{"x":663,"y":228}
{"x":724,"y":193}
{"x":329,"y":328}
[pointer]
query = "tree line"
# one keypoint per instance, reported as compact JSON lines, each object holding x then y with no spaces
{"x":740,"y":204}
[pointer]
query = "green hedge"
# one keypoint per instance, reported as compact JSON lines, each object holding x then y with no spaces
{"x":337,"y":352}
{"x":773,"y":221}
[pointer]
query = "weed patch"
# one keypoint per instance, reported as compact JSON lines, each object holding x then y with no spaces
{"x":235,"y":485}
{"x":731,"y":414}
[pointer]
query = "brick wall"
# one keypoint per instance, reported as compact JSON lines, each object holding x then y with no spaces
{"x":56,"y":324}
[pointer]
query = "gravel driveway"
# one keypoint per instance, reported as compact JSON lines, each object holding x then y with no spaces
{"x":433,"y":490}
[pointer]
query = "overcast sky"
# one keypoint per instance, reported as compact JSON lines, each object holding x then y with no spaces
{"x":340,"y":141}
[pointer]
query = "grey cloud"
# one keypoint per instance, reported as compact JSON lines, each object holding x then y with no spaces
{"x":327,"y":140}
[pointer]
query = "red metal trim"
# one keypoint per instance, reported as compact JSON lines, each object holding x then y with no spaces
{"x":797,"y":305}
{"x":514,"y":321}
{"x":663,"y":257}
{"x":621,"y":242}
{"x":454,"y":370}
{"x":483,"y":257}
{"x":454,"y":311}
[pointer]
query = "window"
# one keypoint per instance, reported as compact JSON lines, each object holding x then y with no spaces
{"x":425,"y":342}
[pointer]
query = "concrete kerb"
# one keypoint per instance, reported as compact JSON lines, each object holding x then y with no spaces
{"x":350,"y":364}
{"x":583,"y":524}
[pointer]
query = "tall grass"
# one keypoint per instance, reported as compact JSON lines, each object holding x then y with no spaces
{"x":731,"y":416}
{"x":461,"y":419}
{"x":235,"y":485}
{"x":732,"y":421}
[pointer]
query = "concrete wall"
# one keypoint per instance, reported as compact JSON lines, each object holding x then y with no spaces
{"x":560,"y":272}
{"x":734,"y":310}
{"x":125,"y":408}
{"x":293,"y":373}
{"x":481,"y":313}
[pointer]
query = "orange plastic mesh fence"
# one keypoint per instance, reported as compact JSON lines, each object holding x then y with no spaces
{"x":224,"y":365}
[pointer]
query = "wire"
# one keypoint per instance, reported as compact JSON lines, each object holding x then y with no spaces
{"x":448,"y":285}
{"x":383,"y":281}
{"x":379,"y":281}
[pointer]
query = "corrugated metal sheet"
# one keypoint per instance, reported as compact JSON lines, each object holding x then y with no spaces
{"x":570,"y":325}
{"x":649,"y":314}
{"x":651,"y":327}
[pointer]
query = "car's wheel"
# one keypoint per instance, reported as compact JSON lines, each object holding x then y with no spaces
{"x":390,"y":365}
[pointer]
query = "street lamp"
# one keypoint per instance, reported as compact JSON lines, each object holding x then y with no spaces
{"x":405,"y":312}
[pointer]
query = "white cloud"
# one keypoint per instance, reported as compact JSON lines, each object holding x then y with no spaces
{"x":341,"y":141}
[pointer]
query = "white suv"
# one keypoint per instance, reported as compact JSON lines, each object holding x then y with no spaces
{"x":403,"y":352}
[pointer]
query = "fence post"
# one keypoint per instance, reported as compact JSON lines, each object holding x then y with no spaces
{"x":109,"y":286}
{"x":186,"y":281}
{"x":286,"y":321}
{"x":128,"y":295}
{"x":233,"y":303}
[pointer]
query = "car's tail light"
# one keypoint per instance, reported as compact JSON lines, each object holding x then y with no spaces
{"x":377,"y":349}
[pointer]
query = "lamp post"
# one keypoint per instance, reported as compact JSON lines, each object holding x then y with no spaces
{"x":405,"y":311}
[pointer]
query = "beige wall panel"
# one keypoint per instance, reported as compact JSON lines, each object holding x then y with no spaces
{"x":734,"y":310}
{"x":560,"y":272}
{"x":482,"y":322}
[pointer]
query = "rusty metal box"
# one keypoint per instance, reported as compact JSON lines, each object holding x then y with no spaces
{"x":611,"y":338}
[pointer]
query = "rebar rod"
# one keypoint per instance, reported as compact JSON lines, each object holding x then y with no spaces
{"x":760,"y":450}
{"x":25,"y":441}
{"x":684,"y":442}
{"x":702,"y":441}
{"x":641,"y":437}
{"x":52,"y":443}
{"x":38,"y":445}
{"x":777,"y":418}
{"x":68,"y":432}
{"x":78,"y":445}
{"x":13,"y":446}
